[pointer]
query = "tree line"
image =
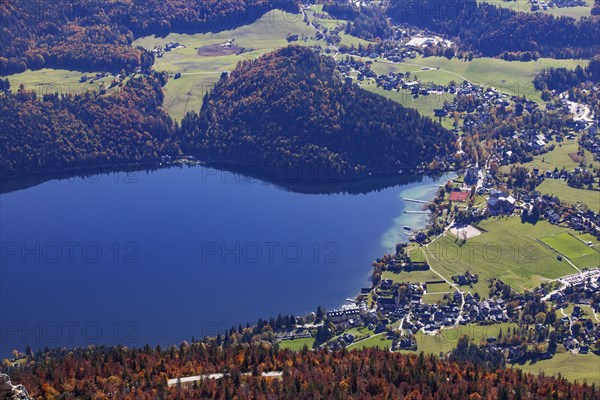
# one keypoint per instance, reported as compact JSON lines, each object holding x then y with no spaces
{"x":490,"y":30}
{"x":289,"y":109}
{"x":52,"y":132}
{"x":123,"y":373}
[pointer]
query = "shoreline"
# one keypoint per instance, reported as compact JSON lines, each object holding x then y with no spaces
{"x":311,"y":181}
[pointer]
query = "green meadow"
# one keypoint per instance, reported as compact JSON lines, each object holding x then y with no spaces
{"x":513,"y":77}
{"x":525,"y":6}
{"x":62,"y":81}
{"x":380,"y":341}
{"x":560,"y":157}
{"x":297,"y":344}
{"x":200,"y":73}
{"x":446,"y":339}
{"x":412,"y":277}
{"x":574,"y":367}
{"x":506,"y":249}
{"x":424,"y":104}
{"x":559,"y":188}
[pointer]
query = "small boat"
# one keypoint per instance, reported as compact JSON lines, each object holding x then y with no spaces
{"x":408,"y":228}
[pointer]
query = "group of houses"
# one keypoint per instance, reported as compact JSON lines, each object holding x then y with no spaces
{"x":536,"y":5}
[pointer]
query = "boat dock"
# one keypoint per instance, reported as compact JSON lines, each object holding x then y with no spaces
{"x":417,"y":201}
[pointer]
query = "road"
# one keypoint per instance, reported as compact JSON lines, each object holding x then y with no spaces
{"x":305,"y":17}
{"x":462,"y":295}
{"x":196,"y":378}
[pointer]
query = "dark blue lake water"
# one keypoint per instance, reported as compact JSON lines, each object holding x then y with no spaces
{"x":164,"y":256}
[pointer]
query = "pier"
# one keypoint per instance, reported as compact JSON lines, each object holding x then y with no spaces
{"x":417,"y":201}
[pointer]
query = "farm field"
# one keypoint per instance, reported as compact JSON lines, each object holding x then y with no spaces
{"x":557,"y":187}
{"x":200,"y":73}
{"x":514,"y":77}
{"x":506,"y":249}
{"x":525,"y":6}
{"x":439,"y":288}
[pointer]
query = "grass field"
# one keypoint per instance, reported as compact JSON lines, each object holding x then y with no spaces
{"x":513,"y":77}
{"x":200,"y":73}
{"x":62,"y":81}
{"x":559,"y":158}
{"x":525,"y":6}
{"x":559,"y":188}
{"x":433,"y":298}
{"x":412,"y":277}
{"x":506,"y":249}
{"x":446,"y":340}
{"x":439,"y":288}
{"x":424,"y":104}
{"x":574,"y":249}
{"x":580,"y":367}
{"x":571,"y":366}
{"x":297,"y":344}
{"x":568,"y":245}
{"x":380,"y":341}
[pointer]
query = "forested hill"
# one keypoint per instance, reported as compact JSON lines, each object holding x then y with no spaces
{"x":291,"y":108}
{"x":39,"y":135}
{"x":491,"y":30}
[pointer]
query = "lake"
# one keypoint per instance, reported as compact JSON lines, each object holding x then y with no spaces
{"x":163,"y":256}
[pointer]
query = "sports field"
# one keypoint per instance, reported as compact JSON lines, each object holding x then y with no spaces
{"x":568,"y":245}
{"x":578,"y":252}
